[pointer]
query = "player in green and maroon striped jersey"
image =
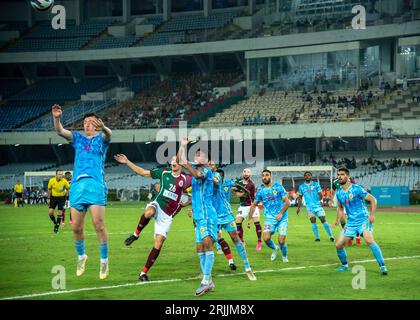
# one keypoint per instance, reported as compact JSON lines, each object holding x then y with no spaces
{"x":163,"y":207}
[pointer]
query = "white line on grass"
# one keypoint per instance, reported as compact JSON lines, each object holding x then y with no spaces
{"x":131,"y":284}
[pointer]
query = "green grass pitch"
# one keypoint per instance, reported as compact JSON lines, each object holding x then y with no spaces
{"x":29,"y":250}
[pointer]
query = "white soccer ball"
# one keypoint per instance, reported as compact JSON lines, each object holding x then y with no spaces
{"x":42,"y":5}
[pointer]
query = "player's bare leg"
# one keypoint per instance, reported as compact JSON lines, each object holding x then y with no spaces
{"x":153,"y":255}
{"x":258,"y":230}
{"x":270,"y":243}
{"x":98,"y":220}
{"x":370,"y":241}
{"x":327,"y":228}
{"x":341,"y":252}
{"x":144,"y":220}
{"x":78,"y":226}
{"x":283,"y":247}
{"x":239,"y":221}
{"x":242,"y":253}
{"x":224,"y":246}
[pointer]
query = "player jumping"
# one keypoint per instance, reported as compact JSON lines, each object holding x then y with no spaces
{"x":163,"y":207}
{"x":57,"y":192}
{"x":246,"y":196}
{"x":226,"y":220}
{"x":276,"y":202}
{"x":312,"y":193}
{"x":88,"y":189}
{"x":352,"y":197}
{"x":204,"y":214}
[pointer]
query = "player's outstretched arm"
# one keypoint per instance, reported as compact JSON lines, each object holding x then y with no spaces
{"x":122,"y":158}
{"x":58,"y":127}
{"x":374,"y":204}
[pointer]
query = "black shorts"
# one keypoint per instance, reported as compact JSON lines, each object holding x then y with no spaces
{"x":18,"y":195}
{"x":58,"y":202}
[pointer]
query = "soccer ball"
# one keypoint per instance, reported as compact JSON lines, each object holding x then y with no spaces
{"x":42,"y":5}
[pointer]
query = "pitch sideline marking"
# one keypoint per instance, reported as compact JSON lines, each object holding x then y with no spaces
{"x":34,"y":295}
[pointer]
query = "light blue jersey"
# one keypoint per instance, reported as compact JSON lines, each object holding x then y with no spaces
{"x":202,"y":196}
{"x":353,"y":201}
{"x":310,"y":193}
{"x":88,"y":185}
{"x":222,"y":193}
{"x":272,"y":200}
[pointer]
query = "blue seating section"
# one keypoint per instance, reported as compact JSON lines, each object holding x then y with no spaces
{"x":325,"y":7}
{"x":18,"y":112}
{"x":76,"y":111}
{"x":115,"y":42}
{"x":162,"y":38}
{"x":9,"y":87}
{"x":156,"y":20}
{"x":61,"y":90}
{"x":199,"y":21}
{"x":44,"y":38}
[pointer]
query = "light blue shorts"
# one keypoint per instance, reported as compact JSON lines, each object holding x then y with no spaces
{"x":205,"y":228}
{"x":229,"y":227}
{"x":319,"y":212}
{"x":275,"y":225}
{"x":352,"y":231}
{"x":86,"y":192}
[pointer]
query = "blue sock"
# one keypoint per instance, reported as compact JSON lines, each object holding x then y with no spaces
{"x":342,"y":255}
{"x":270,"y":243}
{"x":202,"y":258}
{"x":327,"y":228}
{"x":242,"y":253}
{"x":377,"y":253}
{"x":315,"y":230}
{"x":208,"y":266}
{"x":284,"y":250}
{"x":103,"y":248}
{"x":80,"y":247}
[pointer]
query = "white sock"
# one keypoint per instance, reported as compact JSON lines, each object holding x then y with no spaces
{"x":231,"y":261}
{"x":81,"y":257}
{"x":104,"y":260}
{"x":134,"y":234}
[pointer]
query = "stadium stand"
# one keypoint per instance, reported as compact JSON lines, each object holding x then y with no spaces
{"x":72,"y":38}
{"x":169,"y":101}
{"x":9,"y":87}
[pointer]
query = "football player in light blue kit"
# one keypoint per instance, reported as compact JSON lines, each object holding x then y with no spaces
{"x":352,"y":197}
{"x":204,"y":214}
{"x":275,"y":202}
{"x":88,"y":188}
{"x":312,"y":193}
{"x":225,"y":218}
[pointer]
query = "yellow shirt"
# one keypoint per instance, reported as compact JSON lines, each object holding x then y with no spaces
{"x":18,"y":188}
{"x":58,"y":187}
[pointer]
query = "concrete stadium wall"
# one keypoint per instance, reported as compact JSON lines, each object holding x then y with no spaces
{"x":289,"y":131}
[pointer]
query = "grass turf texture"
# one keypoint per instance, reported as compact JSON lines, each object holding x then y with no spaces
{"x":29,"y":250}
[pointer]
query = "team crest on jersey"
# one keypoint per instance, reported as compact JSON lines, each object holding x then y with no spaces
{"x":275,"y":192}
{"x":201,"y":230}
{"x":351,"y":196}
{"x":181,"y":183}
{"x":312,"y":187}
{"x":226,"y":188}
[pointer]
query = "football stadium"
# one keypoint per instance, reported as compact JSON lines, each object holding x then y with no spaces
{"x":210,"y":150}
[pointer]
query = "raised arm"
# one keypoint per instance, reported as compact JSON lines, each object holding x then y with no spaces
{"x":184,"y":163}
{"x":106,"y":132}
{"x":122,"y":158}
{"x":58,"y":127}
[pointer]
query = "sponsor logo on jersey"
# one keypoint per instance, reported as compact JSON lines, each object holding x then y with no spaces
{"x":181,"y":183}
{"x":170,"y":195}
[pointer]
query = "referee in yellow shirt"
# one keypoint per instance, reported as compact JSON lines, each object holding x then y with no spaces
{"x":18,"y":189}
{"x":57,"y":192}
